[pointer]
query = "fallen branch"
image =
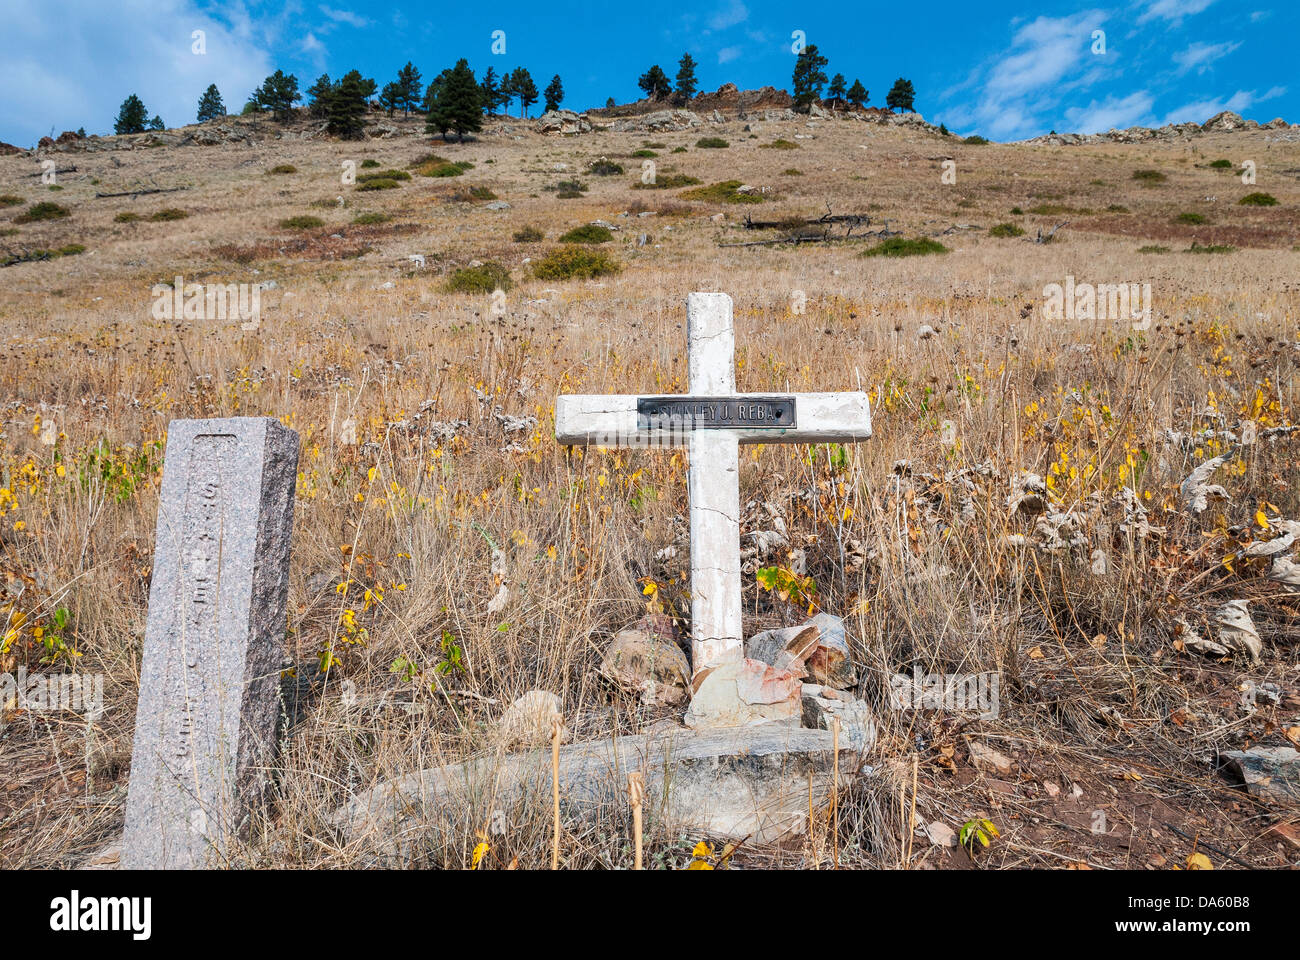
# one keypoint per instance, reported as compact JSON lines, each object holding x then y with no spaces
{"x":140,"y":193}
{"x":1048,"y":239}
{"x":26,"y":256}
{"x":57,"y":170}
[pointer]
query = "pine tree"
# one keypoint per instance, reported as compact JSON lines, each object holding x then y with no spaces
{"x":156,"y":123}
{"x":490,"y":91}
{"x":900,"y":95}
{"x":858,"y":95}
{"x":409,"y":87}
{"x":278,"y":93}
{"x":320,"y":93}
{"x":457,"y":102}
{"x":554,"y":94}
{"x":654,"y":83}
{"x":809,"y":77}
{"x":390,"y":98}
{"x":837,"y":89}
{"x":521,"y":81}
{"x":506,"y":92}
{"x":210,"y":105}
{"x":346,"y":106}
{"x":686,"y":84}
{"x":131,"y":116}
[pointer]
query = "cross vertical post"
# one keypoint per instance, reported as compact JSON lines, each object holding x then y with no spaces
{"x":713,"y":484}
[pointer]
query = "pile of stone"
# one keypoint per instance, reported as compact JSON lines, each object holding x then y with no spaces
{"x":799,"y":675}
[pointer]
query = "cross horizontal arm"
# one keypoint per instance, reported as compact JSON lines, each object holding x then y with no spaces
{"x":611,"y":420}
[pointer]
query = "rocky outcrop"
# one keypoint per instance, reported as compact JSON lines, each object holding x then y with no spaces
{"x":661,"y":121}
{"x":1224,"y":122}
{"x":564,"y":122}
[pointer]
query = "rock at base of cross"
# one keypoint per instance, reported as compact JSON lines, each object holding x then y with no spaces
{"x":645,"y":657}
{"x":744,"y":692}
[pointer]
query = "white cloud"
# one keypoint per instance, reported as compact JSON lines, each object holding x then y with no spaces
{"x":728,"y":16}
{"x":727,"y":54}
{"x":1119,"y":113}
{"x":1199,"y":55}
{"x":1201,"y":110}
{"x":74,"y":68}
{"x":1025,"y":80}
{"x":1173,"y":10}
{"x":345,"y":16}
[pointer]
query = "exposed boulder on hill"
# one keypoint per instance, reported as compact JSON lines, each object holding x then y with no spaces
{"x":563,"y":122}
{"x":1224,"y":122}
{"x":660,"y":121}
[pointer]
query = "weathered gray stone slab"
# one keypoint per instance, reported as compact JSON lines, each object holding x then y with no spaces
{"x":730,"y":782}
{"x":206,"y":721}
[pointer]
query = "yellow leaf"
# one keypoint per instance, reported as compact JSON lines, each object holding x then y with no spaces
{"x":1199,"y":861}
{"x":1261,"y":519}
{"x":480,"y":851}
{"x":702,"y":849}
{"x":700,"y":865}
{"x":650,"y":589}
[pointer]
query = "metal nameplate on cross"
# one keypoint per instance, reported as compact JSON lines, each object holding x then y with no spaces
{"x":711,"y":422}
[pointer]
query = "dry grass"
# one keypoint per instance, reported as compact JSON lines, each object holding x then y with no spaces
{"x":409,"y":516}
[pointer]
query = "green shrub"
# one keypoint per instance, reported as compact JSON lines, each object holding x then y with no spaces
{"x":570,"y":262}
{"x":70,"y":250}
{"x":1191,"y":218}
{"x":55,"y":186}
{"x":1221,"y":164}
{"x":168,"y":213}
{"x":126,"y":216}
{"x":304,"y":221}
{"x":975,"y":140}
{"x":588,"y":233}
{"x":668,"y":182}
{"x":379,"y":183}
{"x":901,"y":247}
{"x":485,"y":278}
{"x":724,"y":192}
{"x":792,"y":172}
{"x":1147,"y":177}
{"x":569,"y":195}
{"x":282,"y":168}
{"x":1117,"y":208}
{"x":1006,"y":230}
{"x":45,"y":210}
{"x":481,"y":193}
{"x":653,"y":145}
{"x":605,"y":168}
{"x":570,"y":186}
{"x":779,"y":144}
{"x":432,"y":165}
{"x":679,"y":149}
{"x":644,"y":153}
{"x":1210,"y":248}
{"x":1153,"y":248}
{"x":1258,"y":200}
{"x":369,"y":163}
{"x":1016,"y":211}
{"x":711,"y":143}
{"x":529,"y":235}
{"x":384,"y":175}
{"x":365,"y":219}
{"x":9,"y":200}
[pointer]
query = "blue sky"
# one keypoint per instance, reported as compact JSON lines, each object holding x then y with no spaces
{"x":1002,"y":68}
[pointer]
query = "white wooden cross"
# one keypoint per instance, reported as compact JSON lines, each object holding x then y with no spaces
{"x":711,"y":421}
